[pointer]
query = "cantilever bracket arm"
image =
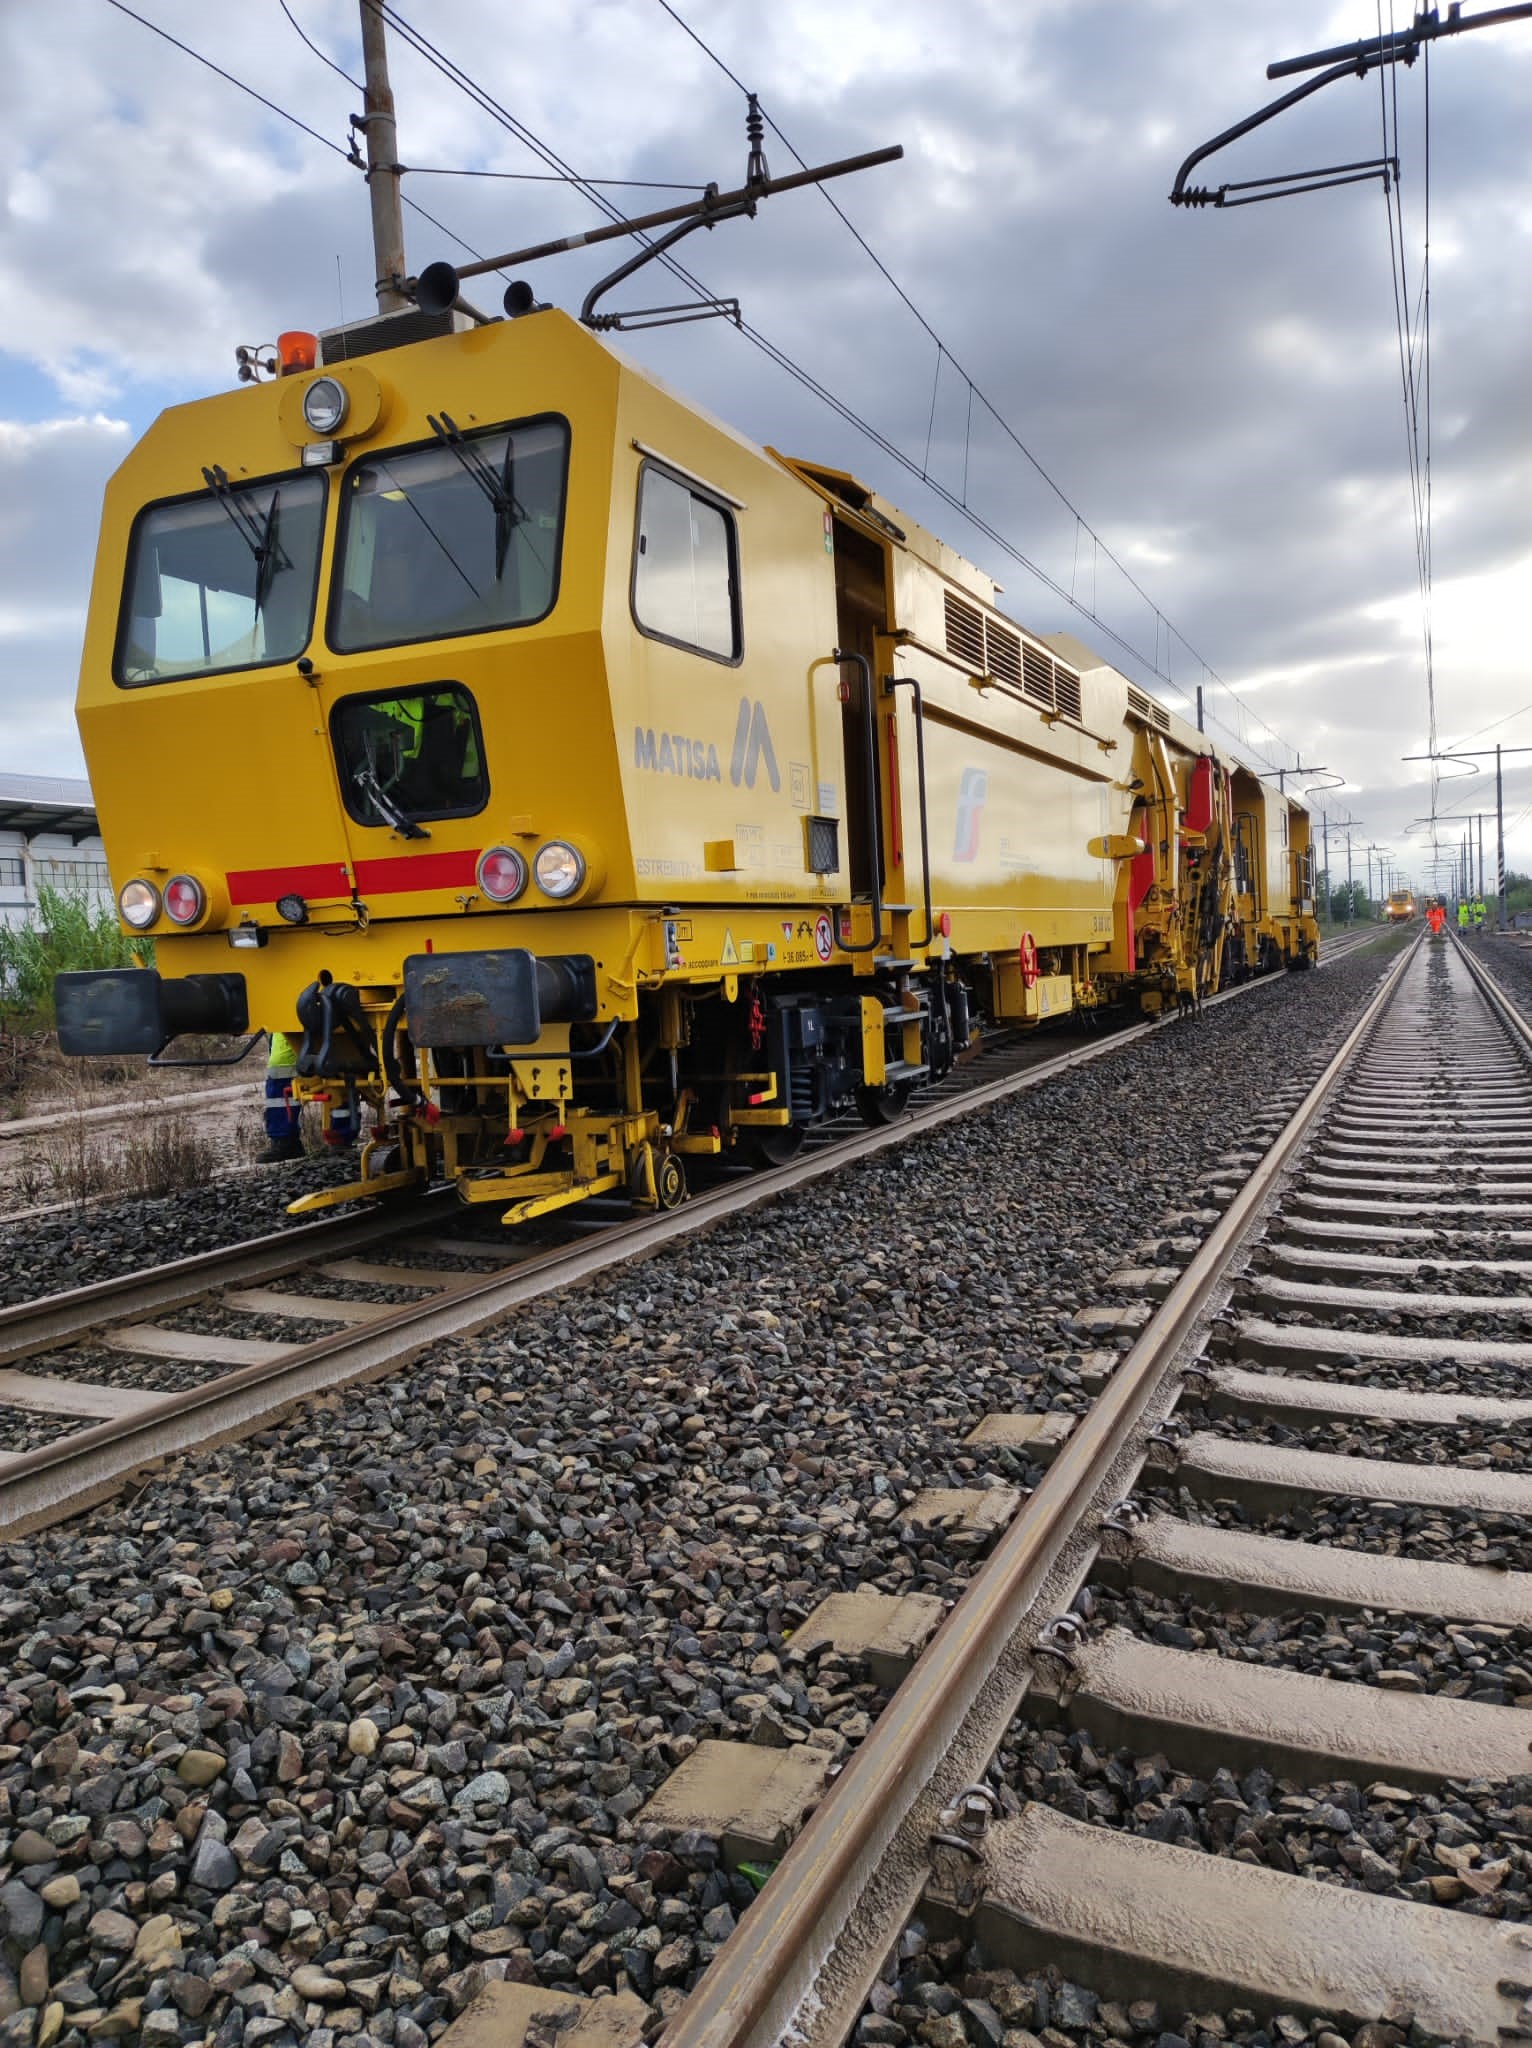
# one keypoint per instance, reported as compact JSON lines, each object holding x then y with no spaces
{"x":1202,"y":195}
{"x":1400,"y":46}
{"x":707,"y":218}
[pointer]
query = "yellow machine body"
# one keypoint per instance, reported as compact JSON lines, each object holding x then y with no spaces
{"x":826,"y":809}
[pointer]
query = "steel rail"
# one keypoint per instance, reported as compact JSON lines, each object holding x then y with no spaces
{"x":1490,"y":987}
{"x":59,"y":1478}
{"x":804,"y":1957}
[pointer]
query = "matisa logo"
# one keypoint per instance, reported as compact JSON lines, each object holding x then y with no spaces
{"x":972,"y":791}
{"x":752,"y":747}
{"x":675,"y":753}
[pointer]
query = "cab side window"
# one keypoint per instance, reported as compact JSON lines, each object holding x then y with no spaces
{"x":685,"y":568}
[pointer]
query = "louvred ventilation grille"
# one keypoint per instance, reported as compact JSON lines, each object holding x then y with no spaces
{"x":965,"y":633}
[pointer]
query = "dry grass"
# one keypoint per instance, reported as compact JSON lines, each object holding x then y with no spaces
{"x":36,"y":1079}
{"x":160,"y":1155}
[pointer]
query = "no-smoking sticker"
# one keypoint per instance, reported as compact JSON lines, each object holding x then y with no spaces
{"x":822,"y":937}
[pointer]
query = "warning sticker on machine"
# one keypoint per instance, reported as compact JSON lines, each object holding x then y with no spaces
{"x":822,"y":936}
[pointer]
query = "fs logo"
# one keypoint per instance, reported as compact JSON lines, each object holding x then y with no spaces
{"x":972,"y":791}
{"x":752,"y":746}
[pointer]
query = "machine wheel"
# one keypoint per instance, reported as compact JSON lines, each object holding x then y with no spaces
{"x":880,"y":1106}
{"x":670,"y":1180}
{"x":385,"y":1158}
{"x":776,"y":1145}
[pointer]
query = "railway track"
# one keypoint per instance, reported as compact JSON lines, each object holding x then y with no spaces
{"x":1324,"y":1350}
{"x":98,"y":1382}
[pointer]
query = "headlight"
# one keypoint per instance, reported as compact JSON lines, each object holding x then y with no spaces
{"x":502,"y":874}
{"x":139,"y":904}
{"x":324,"y":405}
{"x":559,"y":868}
{"x":185,"y":900}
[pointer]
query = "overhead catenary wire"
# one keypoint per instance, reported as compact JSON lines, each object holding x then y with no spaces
{"x":1413,"y":334}
{"x":944,"y":353}
{"x":553,"y":178}
{"x":304,"y":37}
{"x":470,"y":86}
{"x":454,"y":171}
{"x":763,"y":343}
{"x":284,"y":114}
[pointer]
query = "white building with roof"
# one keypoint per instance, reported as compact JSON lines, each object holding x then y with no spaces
{"x":49,"y":837}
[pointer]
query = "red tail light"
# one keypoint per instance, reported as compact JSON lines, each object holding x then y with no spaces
{"x":185,"y":900}
{"x":502,"y":874}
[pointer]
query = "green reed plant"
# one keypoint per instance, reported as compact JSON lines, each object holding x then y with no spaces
{"x":66,"y":932}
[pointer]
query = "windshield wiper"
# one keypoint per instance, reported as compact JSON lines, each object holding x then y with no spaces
{"x":366,"y":780}
{"x":499,"y":489}
{"x":259,"y":534}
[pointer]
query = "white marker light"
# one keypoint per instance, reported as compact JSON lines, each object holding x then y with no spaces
{"x":559,"y":869}
{"x":325,"y":404}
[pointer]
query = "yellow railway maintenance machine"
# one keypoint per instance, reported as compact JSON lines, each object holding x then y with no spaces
{"x":1275,"y":913}
{"x":587,"y":789}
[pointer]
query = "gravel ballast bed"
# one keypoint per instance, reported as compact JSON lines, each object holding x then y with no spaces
{"x":1480,"y":1326}
{"x":107,"y":1240}
{"x":1451,"y":1535}
{"x":102,"y":1368}
{"x":1485,"y":1279}
{"x":212,"y":1319}
{"x":1467,"y":1446}
{"x":1468,"y":1848}
{"x":543,"y":1562}
{"x":1470,"y":1661}
{"x":26,"y":1429}
{"x":936,"y":1993}
{"x":404,"y":1294}
{"x":1414,"y":1376}
{"x":1511,"y":964}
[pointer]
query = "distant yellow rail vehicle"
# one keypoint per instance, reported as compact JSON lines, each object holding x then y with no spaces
{"x":589,"y":790}
{"x":1401,"y":906}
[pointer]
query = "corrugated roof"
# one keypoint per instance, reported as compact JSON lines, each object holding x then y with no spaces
{"x":48,"y":803}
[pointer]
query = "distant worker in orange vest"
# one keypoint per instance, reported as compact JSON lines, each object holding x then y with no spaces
{"x":1436,"y":917}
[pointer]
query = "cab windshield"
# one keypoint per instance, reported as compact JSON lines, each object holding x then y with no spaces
{"x":224,"y":580}
{"x":460,"y":537}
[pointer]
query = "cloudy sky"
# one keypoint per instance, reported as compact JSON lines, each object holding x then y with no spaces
{"x":1215,"y":395}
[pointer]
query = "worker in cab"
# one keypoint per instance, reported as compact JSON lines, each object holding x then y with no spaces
{"x":1436,"y":917}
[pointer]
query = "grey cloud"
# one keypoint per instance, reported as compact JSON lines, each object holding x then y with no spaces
{"x":1221,"y":388}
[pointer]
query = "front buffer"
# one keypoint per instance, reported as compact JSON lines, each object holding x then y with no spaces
{"x":137,"y":1010}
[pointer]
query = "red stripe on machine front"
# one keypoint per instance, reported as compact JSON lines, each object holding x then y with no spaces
{"x":410,"y":871}
{"x":326,"y":881}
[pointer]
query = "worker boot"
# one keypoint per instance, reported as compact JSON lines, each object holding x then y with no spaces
{"x":280,"y":1150}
